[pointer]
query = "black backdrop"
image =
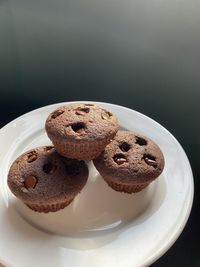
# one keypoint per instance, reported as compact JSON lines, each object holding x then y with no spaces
{"x":141,"y":55}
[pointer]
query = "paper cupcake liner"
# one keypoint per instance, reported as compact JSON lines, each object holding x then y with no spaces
{"x":78,"y":151}
{"x":49,"y":208}
{"x":127,"y":188}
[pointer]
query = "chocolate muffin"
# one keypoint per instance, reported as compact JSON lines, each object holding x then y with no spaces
{"x":130,"y":162}
{"x":45,"y":181}
{"x":81,"y":131}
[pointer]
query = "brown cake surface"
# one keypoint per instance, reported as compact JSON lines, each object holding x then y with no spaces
{"x":81,"y":130}
{"x":42,"y":179}
{"x":130,"y":160}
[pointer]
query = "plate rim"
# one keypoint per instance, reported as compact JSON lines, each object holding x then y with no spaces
{"x":177,"y":232}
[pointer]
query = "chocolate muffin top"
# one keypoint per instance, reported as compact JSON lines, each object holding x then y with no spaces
{"x":42,"y":175}
{"x":81,"y":123}
{"x":130,"y":159}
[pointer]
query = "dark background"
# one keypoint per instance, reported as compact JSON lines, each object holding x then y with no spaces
{"x":141,"y":54}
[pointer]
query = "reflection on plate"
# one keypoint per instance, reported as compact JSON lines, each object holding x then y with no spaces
{"x":100,"y":227}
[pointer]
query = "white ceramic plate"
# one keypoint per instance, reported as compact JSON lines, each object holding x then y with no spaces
{"x":101,"y":227}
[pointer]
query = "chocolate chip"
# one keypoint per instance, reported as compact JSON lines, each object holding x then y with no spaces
{"x":82,"y":111}
{"x":78,"y":127}
{"x":48,"y":148}
{"x":106,"y":115}
{"x":78,"y":112}
{"x":32,"y":156}
{"x":150,"y":160}
{"x":49,"y":168}
{"x":30,"y":182}
{"x":141,"y":141}
{"x":57,"y":113}
{"x":120,"y":159}
{"x":124,"y":147}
